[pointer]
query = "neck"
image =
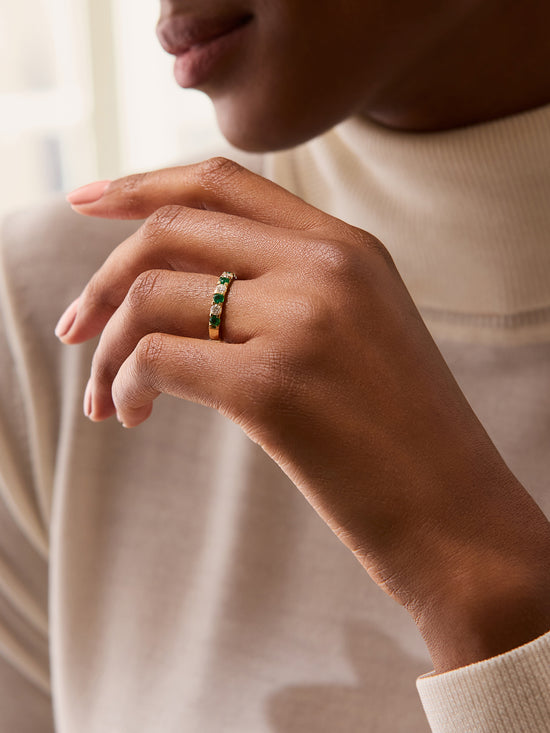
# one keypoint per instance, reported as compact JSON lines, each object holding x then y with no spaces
{"x":492,"y":63}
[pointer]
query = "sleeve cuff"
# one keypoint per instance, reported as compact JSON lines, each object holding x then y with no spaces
{"x":509,"y":692}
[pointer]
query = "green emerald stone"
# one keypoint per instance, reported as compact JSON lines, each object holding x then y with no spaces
{"x":224,"y":279}
{"x":214,"y":320}
{"x":219,"y":297}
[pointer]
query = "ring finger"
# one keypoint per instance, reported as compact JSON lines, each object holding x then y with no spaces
{"x":165,"y":301}
{"x":184,"y":240}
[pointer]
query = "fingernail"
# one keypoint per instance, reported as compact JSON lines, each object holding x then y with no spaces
{"x":88,"y":399}
{"x":120,"y":419}
{"x":67,"y":319}
{"x":87,"y":194}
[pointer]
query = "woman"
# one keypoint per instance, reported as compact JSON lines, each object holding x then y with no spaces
{"x":388,"y":234}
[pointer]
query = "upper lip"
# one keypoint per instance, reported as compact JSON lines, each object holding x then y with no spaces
{"x":178,"y":33}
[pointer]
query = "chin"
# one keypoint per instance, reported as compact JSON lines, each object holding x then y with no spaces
{"x":255,"y":136}
{"x":263,"y":131}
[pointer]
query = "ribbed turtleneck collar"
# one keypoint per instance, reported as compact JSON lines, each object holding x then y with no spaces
{"x":464,"y":213}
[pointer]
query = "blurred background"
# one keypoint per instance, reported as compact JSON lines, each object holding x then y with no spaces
{"x":86,"y":93}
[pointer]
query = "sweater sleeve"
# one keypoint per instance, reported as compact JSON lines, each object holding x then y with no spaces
{"x":509,"y":692}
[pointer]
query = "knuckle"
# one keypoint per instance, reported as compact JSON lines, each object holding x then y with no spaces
{"x":99,"y":297}
{"x":306,"y":309}
{"x":149,"y":352}
{"x":335,"y":260}
{"x":160,"y":222}
{"x":313,"y":322}
{"x":120,"y":391}
{"x":371,"y":244}
{"x":145,"y":286}
{"x":132,"y":190}
{"x":101,"y":370}
{"x":133,"y":183}
{"x":218,"y":170}
{"x":344,"y":259}
{"x":342,"y":266}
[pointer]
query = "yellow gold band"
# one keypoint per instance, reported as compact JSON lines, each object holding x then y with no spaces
{"x":218,"y":301}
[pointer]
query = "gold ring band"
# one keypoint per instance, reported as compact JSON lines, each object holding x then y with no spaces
{"x":218,"y":301}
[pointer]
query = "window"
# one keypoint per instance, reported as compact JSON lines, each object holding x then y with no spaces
{"x":86,"y":92}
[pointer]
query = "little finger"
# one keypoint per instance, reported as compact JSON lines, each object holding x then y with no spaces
{"x":207,"y":372}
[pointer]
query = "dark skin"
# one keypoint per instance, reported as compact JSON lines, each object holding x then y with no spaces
{"x":433,"y":513}
{"x":427,"y":65}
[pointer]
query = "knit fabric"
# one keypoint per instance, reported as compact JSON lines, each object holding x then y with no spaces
{"x":150,"y":583}
{"x":509,"y":692}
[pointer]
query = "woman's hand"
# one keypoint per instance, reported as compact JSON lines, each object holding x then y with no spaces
{"x":325,"y":362}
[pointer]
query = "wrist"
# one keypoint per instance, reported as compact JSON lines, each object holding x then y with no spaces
{"x":488,"y":615}
{"x":479,"y":586}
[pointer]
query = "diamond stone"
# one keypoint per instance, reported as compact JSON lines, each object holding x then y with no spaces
{"x":221,"y":288}
{"x":215,"y":310}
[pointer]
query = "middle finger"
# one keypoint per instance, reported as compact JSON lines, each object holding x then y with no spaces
{"x":182,"y":239}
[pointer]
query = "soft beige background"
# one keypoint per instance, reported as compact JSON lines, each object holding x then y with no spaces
{"x":86,"y":92}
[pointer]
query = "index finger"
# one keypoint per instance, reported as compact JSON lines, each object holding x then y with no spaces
{"x":216,"y":184}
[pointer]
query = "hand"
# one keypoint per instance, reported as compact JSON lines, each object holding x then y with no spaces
{"x":325,"y":362}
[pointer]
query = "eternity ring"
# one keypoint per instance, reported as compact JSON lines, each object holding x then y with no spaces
{"x":218,"y":299}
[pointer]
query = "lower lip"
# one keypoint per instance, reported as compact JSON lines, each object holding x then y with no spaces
{"x":200,"y":62}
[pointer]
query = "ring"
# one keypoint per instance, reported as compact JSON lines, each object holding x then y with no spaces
{"x":218,"y":299}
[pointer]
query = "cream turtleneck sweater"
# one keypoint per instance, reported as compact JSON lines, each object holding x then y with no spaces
{"x":465,"y":214}
{"x":146,"y":587}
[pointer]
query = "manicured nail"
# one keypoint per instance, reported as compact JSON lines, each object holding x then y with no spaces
{"x":88,"y":399}
{"x":120,"y":419}
{"x":87,"y":194}
{"x":67,"y":319}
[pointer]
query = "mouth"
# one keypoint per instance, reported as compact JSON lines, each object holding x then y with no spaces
{"x":180,"y":33}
